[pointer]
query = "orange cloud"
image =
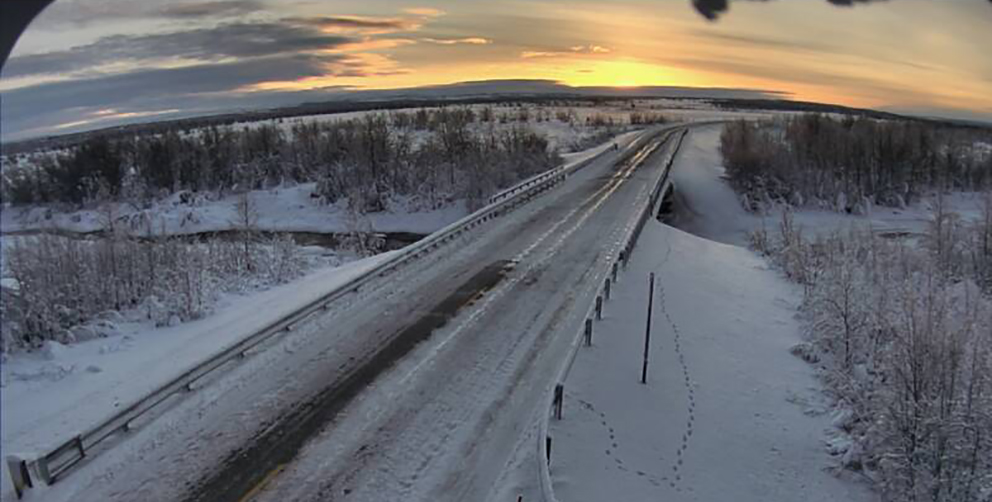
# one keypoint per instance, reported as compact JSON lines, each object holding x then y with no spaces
{"x":457,"y":41}
{"x":424,"y":11}
{"x":576,"y":49}
{"x":359,"y":24}
{"x":591,"y":49}
{"x":371,"y":44}
{"x":540,"y":54}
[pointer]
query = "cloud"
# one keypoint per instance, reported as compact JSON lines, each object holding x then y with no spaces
{"x":86,"y":12}
{"x":457,"y":41}
{"x":424,"y":11}
{"x":235,"y":40}
{"x":765,"y":41}
{"x":211,"y":9}
{"x":787,"y":73}
{"x":198,"y":70}
{"x":540,"y":54}
{"x":373,"y":25}
{"x":590,"y":49}
{"x":166,"y":88}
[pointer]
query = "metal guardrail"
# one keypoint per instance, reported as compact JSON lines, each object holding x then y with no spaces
{"x":566,"y":169}
{"x":57,"y":463}
{"x":555,"y":393}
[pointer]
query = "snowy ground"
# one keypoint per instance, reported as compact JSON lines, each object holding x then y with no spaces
{"x":286,"y":209}
{"x":727,"y":409}
{"x":728,"y":412}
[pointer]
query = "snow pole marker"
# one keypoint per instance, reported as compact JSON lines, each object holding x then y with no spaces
{"x":647,"y":331}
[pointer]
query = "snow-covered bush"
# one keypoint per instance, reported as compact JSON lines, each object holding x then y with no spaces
{"x":851,"y":163}
{"x":903,"y":339}
{"x":65,"y":285}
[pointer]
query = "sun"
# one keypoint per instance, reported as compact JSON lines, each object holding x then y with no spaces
{"x":627,"y":73}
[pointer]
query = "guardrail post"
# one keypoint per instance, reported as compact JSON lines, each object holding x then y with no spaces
{"x":78,"y":442}
{"x":599,"y":307}
{"x":559,"y":400}
{"x":606,"y":288}
{"x":19,"y":475}
{"x":615,"y":267}
{"x":588,"y":332}
{"x":41,"y":471}
{"x":547,"y":442}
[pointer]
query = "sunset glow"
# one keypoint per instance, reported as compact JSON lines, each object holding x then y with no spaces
{"x":913,"y":56}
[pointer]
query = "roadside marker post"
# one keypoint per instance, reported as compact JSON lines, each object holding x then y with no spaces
{"x":647,"y":331}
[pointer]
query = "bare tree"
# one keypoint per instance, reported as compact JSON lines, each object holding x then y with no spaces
{"x":246,"y":223}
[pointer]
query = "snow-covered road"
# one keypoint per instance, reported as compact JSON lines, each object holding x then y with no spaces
{"x":417,"y":389}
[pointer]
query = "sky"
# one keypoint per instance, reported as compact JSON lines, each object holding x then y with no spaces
{"x":86,"y":64}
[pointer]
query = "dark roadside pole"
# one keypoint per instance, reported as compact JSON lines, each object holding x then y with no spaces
{"x":647,"y":332}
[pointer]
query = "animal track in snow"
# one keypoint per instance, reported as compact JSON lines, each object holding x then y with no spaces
{"x":690,"y":393}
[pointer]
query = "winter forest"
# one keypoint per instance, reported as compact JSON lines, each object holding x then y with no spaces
{"x":899,"y":327}
{"x":851,"y":163}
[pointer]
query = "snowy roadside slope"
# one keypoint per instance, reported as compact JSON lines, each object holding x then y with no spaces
{"x":728,"y":412}
{"x":48,"y":398}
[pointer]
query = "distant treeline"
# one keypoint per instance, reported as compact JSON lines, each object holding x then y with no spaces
{"x":303,"y":110}
{"x":431,"y":154}
{"x":497,"y":101}
{"x":847,"y":162}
